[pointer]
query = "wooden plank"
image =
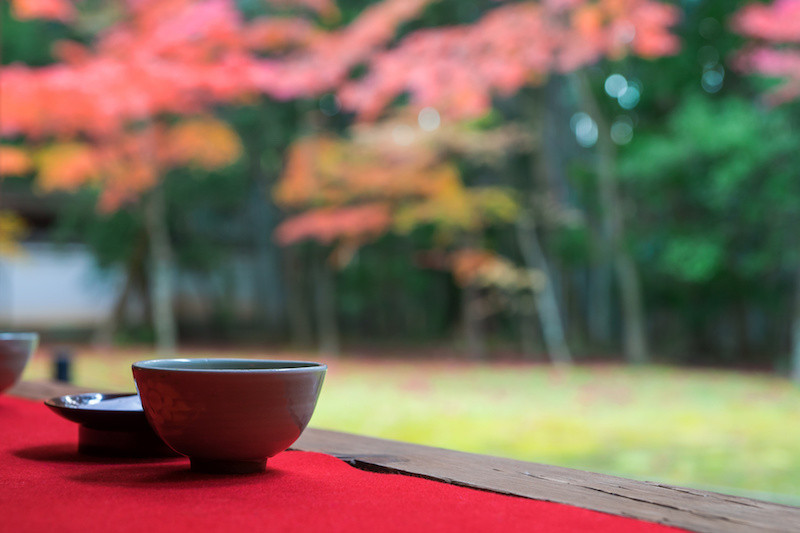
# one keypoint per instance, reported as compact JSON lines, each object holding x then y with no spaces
{"x":665,"y":504}
{"x":687,"y":508}
{"x":42,"y":390}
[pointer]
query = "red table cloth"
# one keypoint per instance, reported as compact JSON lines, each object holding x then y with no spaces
{"x":45,"y":485}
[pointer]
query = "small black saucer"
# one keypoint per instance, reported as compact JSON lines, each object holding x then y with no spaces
{"x":110,"y":425}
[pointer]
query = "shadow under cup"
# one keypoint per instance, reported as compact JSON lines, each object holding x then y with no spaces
{"x":15,"y":352}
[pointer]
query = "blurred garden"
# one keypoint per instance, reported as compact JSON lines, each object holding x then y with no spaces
{"x":564,"y":231}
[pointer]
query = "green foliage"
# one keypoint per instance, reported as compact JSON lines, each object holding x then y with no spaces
{"x":716,"y":191}
{"x":29,"y":41}
{"x":203,"y":218}
{"x":200,"y":210}
{"x":112,"y":238}
{"x":713,"y":194}
{"x":692,"y":259}
{"x":386,"y":272}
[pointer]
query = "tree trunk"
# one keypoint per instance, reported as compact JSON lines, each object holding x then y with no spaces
{"x":161,"y":286}
{"x":104,"y":336}
{"x":270,"y":293}
{"x":302,"y":331}
{"x":544,"y":170}
{"x":599,"y":302}
{"x":473,"y":317}
{"x":546,"y":302}
{"x":325,"y":305}
{"x":794,"y":364}
{"x":269,"y":283}
{"x":634,"y":336}
{"x":527,"y":324}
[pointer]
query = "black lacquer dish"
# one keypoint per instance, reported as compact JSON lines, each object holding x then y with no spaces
{"x":110,"y":425}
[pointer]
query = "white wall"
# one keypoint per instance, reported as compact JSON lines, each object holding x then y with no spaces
{"x":54,"y":286}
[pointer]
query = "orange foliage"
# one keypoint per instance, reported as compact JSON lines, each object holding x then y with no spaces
{"x":279,"y":34}
{"x":124,"y":180}
{"x":467,"y":264}
{"x":327,"y":171}
{"x":450,"y":137}
{"x":181,"y":56}
{"x":66,"y":166}
{"x":330,"y":56}
{"x":457,"y":208}
{"x":12,"y":230}
{"x":128,"y":164}
{"x":327,"y":225}
{"x":174,"y":57}
{"x":456,"y":70}
{"x":62,"y":10}
{"x":132,"y":164}
{"x":206,"y":142}
{"x":14,"y":161}
{"x":71,"y":53}
{"x":484,"y":268}
{"x":330,"y":179}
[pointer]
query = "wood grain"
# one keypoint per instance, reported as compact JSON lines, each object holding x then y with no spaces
{"x":687,"y":508}
{"x":691,"y":509}
{"x":42,"y":390}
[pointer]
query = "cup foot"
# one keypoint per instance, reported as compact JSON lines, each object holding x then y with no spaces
{"x":215,"y":466}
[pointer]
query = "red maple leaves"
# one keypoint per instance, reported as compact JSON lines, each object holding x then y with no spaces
{"x":776,"y":28}
{"x":351,"y":191}
{"x":329,"y":225}
{"x":167,"y":58}
{"x":162,"y":58}
{"x":456,"y":70}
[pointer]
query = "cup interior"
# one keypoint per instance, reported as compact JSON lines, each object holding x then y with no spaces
{"x":228,"y":365}
{"x":18,"y":345}
{"x":23,"y":337}
{"x":15,"y":351}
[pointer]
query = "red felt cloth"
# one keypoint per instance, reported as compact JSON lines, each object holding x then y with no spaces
{"x":46,"y":486}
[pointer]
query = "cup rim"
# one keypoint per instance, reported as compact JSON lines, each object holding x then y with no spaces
{"x":165,"y":365}
{"x":11,"y":336}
